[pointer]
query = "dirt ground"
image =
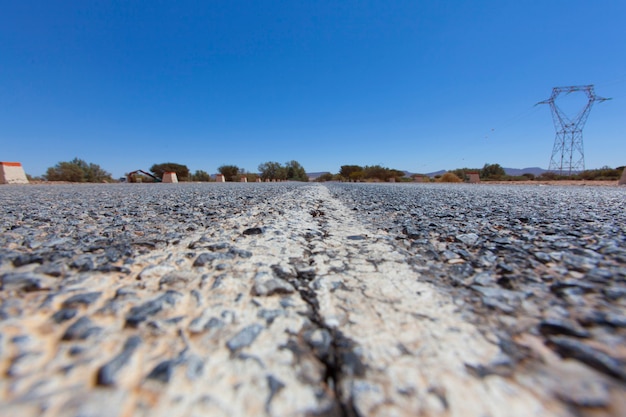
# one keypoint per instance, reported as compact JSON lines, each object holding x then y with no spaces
{"x":564,"y":182}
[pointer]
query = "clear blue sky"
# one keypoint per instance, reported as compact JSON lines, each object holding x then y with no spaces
{"x":414,"y":85}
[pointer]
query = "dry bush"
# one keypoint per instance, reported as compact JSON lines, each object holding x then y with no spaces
{"x":449,"y":177}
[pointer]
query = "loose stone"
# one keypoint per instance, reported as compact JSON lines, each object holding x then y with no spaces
{"x":138,"y":314}
{"x":108,"y":372}
{"x":81,"y":330}
{"x":245,"y":337}
{"x":85,"y":299}
{"x":253,"y":231}
{"x":571,"y":348}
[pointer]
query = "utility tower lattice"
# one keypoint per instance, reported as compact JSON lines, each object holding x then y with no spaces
{"x":568,"y":156}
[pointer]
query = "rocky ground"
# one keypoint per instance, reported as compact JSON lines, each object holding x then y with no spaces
{"x":290,"y":299}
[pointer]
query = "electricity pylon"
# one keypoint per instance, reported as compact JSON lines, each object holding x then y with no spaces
{"x":568,"y":156}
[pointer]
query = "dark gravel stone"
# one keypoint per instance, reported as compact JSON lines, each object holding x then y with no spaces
{"x":81,"y":329}
{"x":64,"y":314}
{"x":163,"y":371}
{"x":125,"y":293}
{"x":84,"y":263}
{"x":26,"y":259}
{"x":214,"y":323}
{"x":217,"y":246}
{"x":556,"y":327}
{"x":411,"y":232}
{"x":208,"y":258}
{"x":138,"y":314}
{"x":53,"y":269}
{"x":21,"y":281}
{"x":271,"y":286}
{"x":572,"y":348}
{"x":113,"y":268}
{"x":177,"y":279}
{"x":275,"y":386}
{"x":245,"y":337}
{"x":108,"y":372}
{"x":270,"y":315}
{"x":253,"y":231}
{"x":284,"y":272}
{"x":469,"y":239}
{"x":614,"y":293}
{"x":242,"y":253}
{"x":195,"y":367}
{"x":320,"y":340}
{"x":603,"y":319}
{"x":85,"y":299}
{"x":543,"y":257}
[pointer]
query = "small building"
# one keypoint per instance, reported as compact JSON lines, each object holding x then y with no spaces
{"x":12,"y":173}
{"x":421,"y":178}
{"x":473,"y":177}
{"x":170,"y":177}
{"x":622,"y":180}
{"x":243,"y":179}
{"x":220,"y":178}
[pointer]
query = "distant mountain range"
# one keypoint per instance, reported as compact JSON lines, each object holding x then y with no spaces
{"x":316,"y":175}
{"x":509,"y":171}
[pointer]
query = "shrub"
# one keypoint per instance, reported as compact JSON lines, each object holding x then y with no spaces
{"x":605,"y":173}
{"x":492,"y":172}
{"x":296,"y":172}
{"x":201,"y":176}
{"x":449,"y":177}
{"x":325,"y":177}
{"x":77,"y":170}
{"x":272,"y":171}
{"x":230,"y":172}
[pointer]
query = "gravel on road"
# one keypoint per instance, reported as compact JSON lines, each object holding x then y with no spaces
{"x":312,"y":299}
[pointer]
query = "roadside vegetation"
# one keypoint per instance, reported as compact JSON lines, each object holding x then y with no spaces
{"x":78,"y":170}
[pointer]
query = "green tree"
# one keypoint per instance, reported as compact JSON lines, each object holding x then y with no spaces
{"x":182,"y":172}
{"x":396,"y":174}
{"x":346,"y":171}
{"x":492,"y":172}
{"x":296,"y":172}
{"x":325,"y":177}
{"x":272,"y":171}
{"x":356,"y":176}
{"x":201,"y":176}
{"x":77,"y":170}
{"x":375,"y":172}
{"x":230,"y":172}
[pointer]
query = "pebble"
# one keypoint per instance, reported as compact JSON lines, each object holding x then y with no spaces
{"x":85,"y":299}
{"x":108,"y":372}
{"x":572,"y":348}
{"x":81,"y":329}
{"x":138,"y":314}
{"x":245,"y":337}
{"x":21,"y":282}
{"x":266,"y":285}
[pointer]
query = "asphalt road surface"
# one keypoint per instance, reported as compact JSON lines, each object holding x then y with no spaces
{"x":289,"y":299}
